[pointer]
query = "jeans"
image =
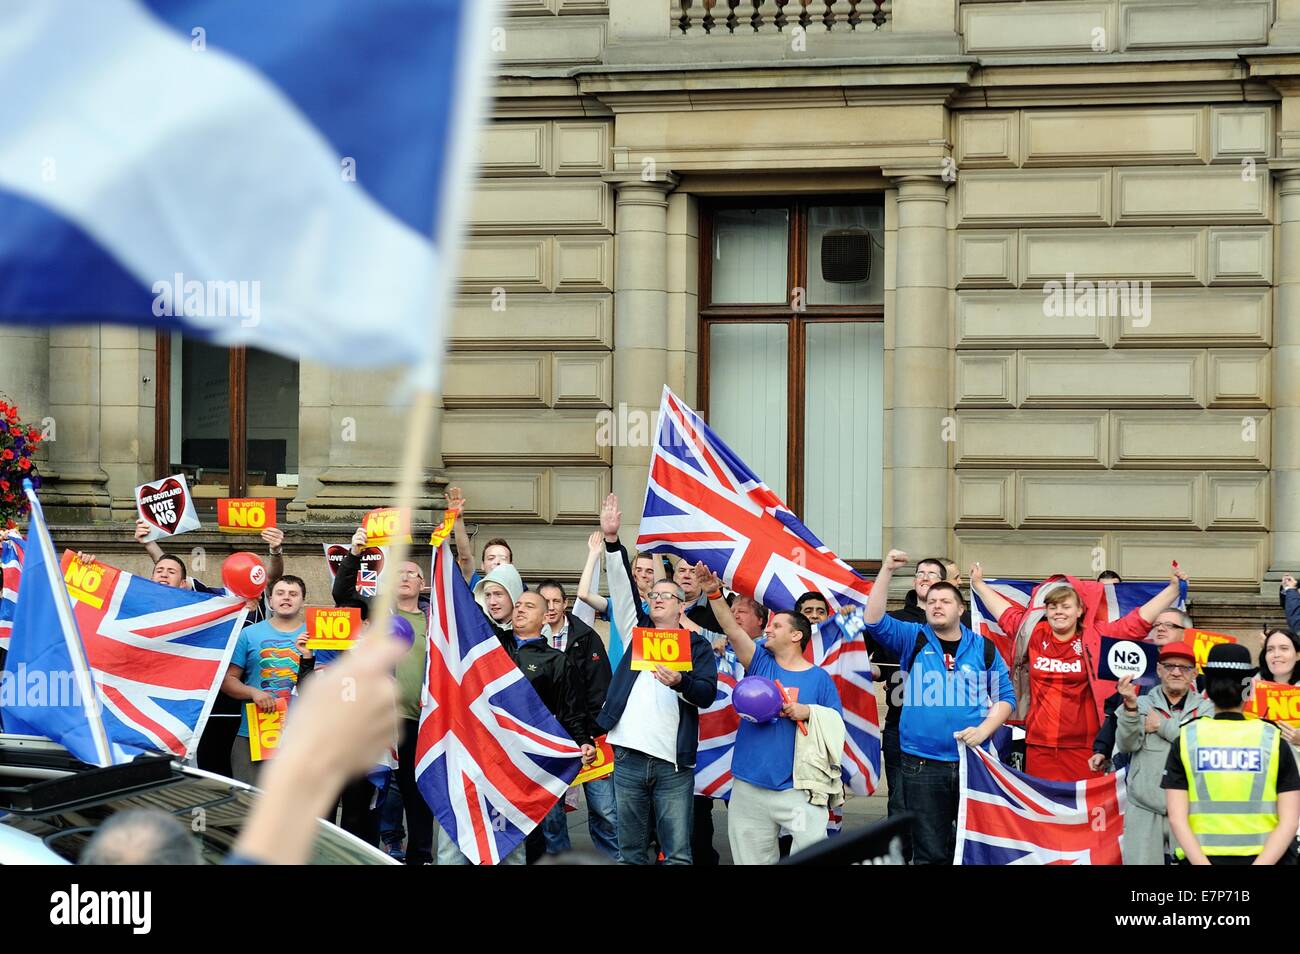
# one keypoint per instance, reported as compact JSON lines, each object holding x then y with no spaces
{"x":390,"y":812}
{"x":930,"y":790}
{"x":646,"y":787}
{"x":893,"y":759}
{"x":419,"y":817}
{"x":602,"y":820}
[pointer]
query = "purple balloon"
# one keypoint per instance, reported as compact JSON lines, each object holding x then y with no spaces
{"x":757,"y":699}
{"x":402,"y":630}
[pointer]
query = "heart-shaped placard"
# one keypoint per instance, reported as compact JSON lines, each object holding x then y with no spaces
{"x":164,"y":505}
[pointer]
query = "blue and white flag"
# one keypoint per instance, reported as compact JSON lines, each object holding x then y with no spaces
{"x":288,"y":175}
{"x":47,"y":687}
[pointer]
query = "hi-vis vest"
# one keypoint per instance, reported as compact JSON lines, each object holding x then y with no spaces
{"x":1231,"y":769}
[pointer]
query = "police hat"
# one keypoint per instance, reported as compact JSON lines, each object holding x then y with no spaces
{"x":1229,"y":659}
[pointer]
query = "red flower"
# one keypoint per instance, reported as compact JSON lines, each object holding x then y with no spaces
{"x":12,"y":415}
{"x":7,"y":454}
{"x":25,"y":464}
{"x":4,"y":408}
{"x":4,"y":485}
{"x":33,"y":434}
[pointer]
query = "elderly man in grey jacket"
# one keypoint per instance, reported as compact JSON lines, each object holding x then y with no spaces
{"x":1147,"y":726}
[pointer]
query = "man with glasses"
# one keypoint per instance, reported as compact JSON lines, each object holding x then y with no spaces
{"x":1169,"y":627}
{"x":1148,"y":725}
{"x":652,"y":716}
{"x":410,"y":681}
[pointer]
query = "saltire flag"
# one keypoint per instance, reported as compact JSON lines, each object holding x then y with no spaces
{"x":490,"y":758}
{"x":46,"y":654}
{"x":704,"y":504}
{"x":718,"y":726}
{"x":1005,"y":817}
{"x":11,"y":571}
{"x":158,"y":655}
{"x":284,"y":175}
{"x":839,"y":646}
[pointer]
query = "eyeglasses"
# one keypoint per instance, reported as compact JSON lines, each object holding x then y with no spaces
{"x":1168,"y":626}
{"x":410,"y":575}
{"x":654,"y":597}
{"x":928,"y":575}
{"x":1178,"y":667}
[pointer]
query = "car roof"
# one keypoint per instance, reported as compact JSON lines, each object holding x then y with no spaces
{"x":57,"y":802}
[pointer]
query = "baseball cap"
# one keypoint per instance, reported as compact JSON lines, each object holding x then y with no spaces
{"x":1177,"y":649}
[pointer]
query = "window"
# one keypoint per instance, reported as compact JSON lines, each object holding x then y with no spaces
{"x":212,"y":399}
{"x":792,"y":355}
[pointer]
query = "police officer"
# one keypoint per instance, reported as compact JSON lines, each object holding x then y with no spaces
{"x":1231,"y":787}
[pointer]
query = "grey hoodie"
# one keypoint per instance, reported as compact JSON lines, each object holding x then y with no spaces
{"x":1151,"y":749}
{"x":504,"y":575}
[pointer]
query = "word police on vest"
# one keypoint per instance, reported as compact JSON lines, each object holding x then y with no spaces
{"x":1229,"y":759}
{"x":74,"y":906}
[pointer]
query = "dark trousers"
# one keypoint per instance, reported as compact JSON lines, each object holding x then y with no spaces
{"x":419,"y":817}
{"x":893,"y":759}
{"x":702,"y":850}
{"x":930,"y":791}
{"x":359,"y":813}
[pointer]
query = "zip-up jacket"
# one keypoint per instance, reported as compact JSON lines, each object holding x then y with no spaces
{"x":938,"y":702}
{"x":548,"y":672}
{"x":589,"y":667}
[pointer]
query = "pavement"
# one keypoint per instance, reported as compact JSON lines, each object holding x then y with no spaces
{"x":859,"y":812}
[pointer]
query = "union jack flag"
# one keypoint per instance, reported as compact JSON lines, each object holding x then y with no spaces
{"x":839,"y":646}
{"x":11,"y":571}
{"x":1005,"y":817}
{"x":704,"y":504}
{"x":367,"y":582}
{"x":490,"y":758}
{"x":718,"y":726}
{"x":157,"y":654}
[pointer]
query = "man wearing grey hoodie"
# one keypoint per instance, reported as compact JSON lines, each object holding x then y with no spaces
{"x":1147,"y":726}
{"x":497,"y":593}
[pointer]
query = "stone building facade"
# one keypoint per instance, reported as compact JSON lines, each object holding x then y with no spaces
{"x":1074,"y":351}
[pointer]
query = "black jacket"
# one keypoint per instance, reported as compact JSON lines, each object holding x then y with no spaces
{"x":344,"y":592}
{"x":549,"y":673}
{"x":590,"y":670}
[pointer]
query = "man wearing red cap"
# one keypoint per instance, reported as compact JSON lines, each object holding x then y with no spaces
{"x":1147,"y":726}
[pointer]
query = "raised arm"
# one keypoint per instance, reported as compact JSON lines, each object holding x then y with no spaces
{"x":878,"y":601}
{"x":151,"y":547}
{"x":1165,"y":599}
{"x":464,"y":549}
{"x":739,"y":639}
{"x":993,"y":601}
{"x":273,"y":537}
{"x":595,"y":550}
{"x":622,"y":588}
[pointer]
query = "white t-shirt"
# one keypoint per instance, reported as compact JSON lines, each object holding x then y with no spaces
{"x":650,"y":719}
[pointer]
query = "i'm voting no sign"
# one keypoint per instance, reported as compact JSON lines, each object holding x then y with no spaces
{"x":168,"y":507}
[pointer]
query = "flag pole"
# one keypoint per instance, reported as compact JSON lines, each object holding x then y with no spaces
{"x":420,"y":422}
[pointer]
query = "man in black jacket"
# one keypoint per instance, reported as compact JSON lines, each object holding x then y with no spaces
{"x":589,"y":667}
{"x":548,"y":672}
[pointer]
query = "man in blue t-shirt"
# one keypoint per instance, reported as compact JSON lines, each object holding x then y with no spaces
{"x":265,"y":665}
{"x":763,"y":796}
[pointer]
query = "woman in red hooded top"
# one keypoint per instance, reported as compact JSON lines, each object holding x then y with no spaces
{"x":1063,"y":716}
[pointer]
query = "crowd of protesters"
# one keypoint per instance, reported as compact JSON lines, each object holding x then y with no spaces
{"x":1041,"y":677}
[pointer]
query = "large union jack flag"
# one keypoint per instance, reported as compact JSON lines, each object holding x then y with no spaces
{"x":11,"y":570}
{"x":490,"y":758}
{"x":704,"y":504}
{"x":1008,"y":818}
{"x":157,"y":654}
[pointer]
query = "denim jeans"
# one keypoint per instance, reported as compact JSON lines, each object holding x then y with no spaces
{"x":644,"y":788}
{"x":893,"y":759}
{"x":930,"y":791}
{"x":391,"y":812}
{"x":602,"y":820}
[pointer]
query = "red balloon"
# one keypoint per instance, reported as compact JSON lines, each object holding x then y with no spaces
{"x":244,"y":575}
